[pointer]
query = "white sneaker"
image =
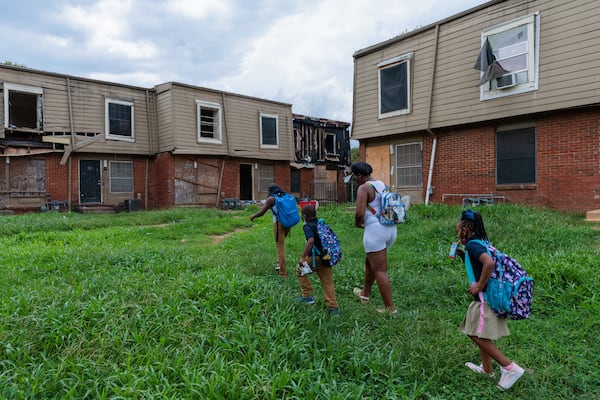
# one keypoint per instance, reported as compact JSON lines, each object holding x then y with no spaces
{"x":479,"y":369}
{"x":508,"y":378}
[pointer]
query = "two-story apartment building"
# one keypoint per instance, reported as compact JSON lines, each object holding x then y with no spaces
{"x":82,"y":143}
{"x":501,"y":101}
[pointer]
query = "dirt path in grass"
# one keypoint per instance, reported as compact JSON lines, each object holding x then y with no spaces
{"x":219,"y":238}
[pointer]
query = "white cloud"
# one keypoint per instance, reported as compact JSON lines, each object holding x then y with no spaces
{"x":105,"y":30}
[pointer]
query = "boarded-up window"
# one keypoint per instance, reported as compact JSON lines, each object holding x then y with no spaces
{"x":515,"y":156}
{"x":409,"y":167}
{"x":27,"y":177}
{"x":268,"y":131}
{"x":119,"y":120}
{"x":121,"y":177}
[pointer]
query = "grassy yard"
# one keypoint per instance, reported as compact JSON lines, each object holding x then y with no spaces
{"x":185,"y":304}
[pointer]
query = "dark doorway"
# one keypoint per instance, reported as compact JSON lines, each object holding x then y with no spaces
{"x":89,"y":181}
{"x":245,"y":181}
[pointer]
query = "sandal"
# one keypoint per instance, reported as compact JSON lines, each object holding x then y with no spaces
{"x":479,"y":369}
{"x":384,"y":310}
{"x":358,"y":293}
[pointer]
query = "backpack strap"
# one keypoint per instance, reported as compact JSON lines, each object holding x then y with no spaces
{"x":471,"y":276}
{"x":385,"y":189}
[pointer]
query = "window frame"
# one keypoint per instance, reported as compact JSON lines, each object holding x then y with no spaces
{"x":108,"y":134}
{"x":33,"y":90}
{"x":276,"y":118}
{"x":405,"y":166}
{"x":533,"y":156}
{"x":217,"y":139}
{"x":532,"y":22}
{"x":389,"y":63}
{"x":111,"y":164}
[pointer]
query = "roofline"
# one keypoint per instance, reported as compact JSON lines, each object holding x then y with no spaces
{"x":124,"y":85}
{"x":399,"y":38}
{"x":217,"y":91}
{"x":79,"y":78}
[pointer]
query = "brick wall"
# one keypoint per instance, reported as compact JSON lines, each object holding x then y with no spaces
{"x":567,"y":162}
{"x":163,"y":187}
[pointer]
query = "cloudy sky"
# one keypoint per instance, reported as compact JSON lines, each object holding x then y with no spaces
{"x":294,"y":51}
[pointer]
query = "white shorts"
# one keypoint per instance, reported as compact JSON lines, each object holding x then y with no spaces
{"x":378,"y":237}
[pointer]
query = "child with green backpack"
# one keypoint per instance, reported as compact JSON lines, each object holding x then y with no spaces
{"x":481,"y":324}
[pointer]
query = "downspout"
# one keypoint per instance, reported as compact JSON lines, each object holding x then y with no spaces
{"x":72,"y":139}
{"x":226,"y":133}
{"x":428,"y":124}
{"x":152,"y":151}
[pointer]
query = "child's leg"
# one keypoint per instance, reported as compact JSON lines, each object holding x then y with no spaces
{"x":305,"y":285}
{"x":280,"y":235}
{"x":326,"y":276}
{"x":488,"y":351}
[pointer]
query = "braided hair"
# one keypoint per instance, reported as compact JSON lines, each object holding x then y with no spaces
{"x":474,"y":222}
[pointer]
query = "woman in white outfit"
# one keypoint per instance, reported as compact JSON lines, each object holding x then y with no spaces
{"x":376,"y":238}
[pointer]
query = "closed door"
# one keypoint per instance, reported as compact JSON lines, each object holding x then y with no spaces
{"x":89,"y":181}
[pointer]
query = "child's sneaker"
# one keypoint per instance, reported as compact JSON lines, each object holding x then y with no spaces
{"x":306,"y":300}
{"x":479,"y":369}
{"x":509,"y":377}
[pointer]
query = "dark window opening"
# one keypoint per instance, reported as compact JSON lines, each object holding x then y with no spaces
{"x":23,"y":110}
{"x":119,"y":116}
{"x":515,"y":156}
{"x":208,"y":122}
{"x":269,"y":131}
{"x":394,"y":88}
{"x":330,"y":143}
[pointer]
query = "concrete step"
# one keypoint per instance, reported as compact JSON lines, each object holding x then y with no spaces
{"x":593,"y":216}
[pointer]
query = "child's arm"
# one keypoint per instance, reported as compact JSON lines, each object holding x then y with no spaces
{"x":307,"y":249}
{"x":488,"y":267}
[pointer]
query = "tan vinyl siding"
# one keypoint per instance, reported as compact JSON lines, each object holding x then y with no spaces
{"x":88,"y":105}
{"x":568,"y":65}
{"x":240,"y":126}
{"x":164,"y":112}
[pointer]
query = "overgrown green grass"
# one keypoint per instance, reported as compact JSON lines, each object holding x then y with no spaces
{"x":150,"y":305}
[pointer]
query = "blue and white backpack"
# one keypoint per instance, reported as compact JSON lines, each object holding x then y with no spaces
{"x":509,"y":291}
{"x":392,"y":211}
{"x":332,"y":249}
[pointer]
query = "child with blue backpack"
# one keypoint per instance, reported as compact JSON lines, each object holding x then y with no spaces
{"x":480,"y":323}
{"x":311,"y":262}
{"x":280,"y":230}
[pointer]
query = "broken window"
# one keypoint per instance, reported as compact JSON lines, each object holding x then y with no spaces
{"x":515,"y":156}
{"x":119,"y":120}
{"x":209,"y":122}
{"x":121,"y":177}
{"x":23,"y":107}
{"x":330,"y":144}
{"x":394,"y":86}
{"x":409,"y":165}
{"x":515,"y":48}
{"x":268,"y":131}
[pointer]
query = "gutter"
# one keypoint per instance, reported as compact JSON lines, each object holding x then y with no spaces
{"x":428,"y":123}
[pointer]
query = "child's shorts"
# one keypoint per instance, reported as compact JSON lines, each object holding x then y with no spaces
{"x":493,"y":327}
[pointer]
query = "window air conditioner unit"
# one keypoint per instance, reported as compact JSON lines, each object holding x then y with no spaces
{"x":506,"y":81}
